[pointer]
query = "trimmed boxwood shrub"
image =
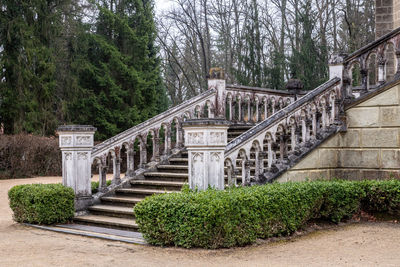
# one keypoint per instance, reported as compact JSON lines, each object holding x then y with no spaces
{"x":381,"y":196}
{"x":95,"y":186}
{"x":42,"y":203}
{"x":238,"y":216}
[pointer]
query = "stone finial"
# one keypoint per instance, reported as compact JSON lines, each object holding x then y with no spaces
{"x":294,"y":85}
{"x":337,"y":58}
{"x":217,"y":73}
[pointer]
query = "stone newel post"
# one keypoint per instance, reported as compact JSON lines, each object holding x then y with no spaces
{"x":76,"y":143}
{"x":217,"y":80}
{"x":205,"y":140}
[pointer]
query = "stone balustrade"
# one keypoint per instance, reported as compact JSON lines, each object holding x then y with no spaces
{"x":266,"y":149}
{"x":368,"y":67}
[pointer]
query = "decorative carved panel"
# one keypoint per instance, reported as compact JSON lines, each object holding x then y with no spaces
{"x":68,"y":156}
{"x":217,"y":138}
{"x":83,"y":140}
{"x":82,"y":155}
{"x":196,"y":138}
{"x":66,"y":140}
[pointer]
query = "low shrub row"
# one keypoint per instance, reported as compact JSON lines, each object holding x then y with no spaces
{"x":238,"y":216}
{"x":42,"y":203}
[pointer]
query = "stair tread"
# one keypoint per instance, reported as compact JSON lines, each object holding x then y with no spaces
{"x":118,"y":209}
{"x":155,"y":182}
{"x":182,"y":167}
{"x":101,"y":219}
{"x":147,"y":191}
{"x":122,"y":199}
{"x":169,"y":174}
{"x":178,"y":159}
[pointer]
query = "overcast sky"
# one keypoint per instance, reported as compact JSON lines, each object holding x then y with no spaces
{"x":162,"y":5}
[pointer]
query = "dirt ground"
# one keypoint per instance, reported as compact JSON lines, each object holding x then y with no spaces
{"x":358,"y":244}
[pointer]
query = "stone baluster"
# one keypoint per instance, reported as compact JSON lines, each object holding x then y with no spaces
{"x":103,"y":168}
{"x":260,"y":156}
{"x":324,"y":117}
{"x":116,"y":166}
{"x":179,"y":134}
{"x":245,"y":172}
{"x":270,"y":154}
{"x":273,"y":103}
{"x":167,"y":140}
{"x":230,"y":108}
{"x":248,"y":110}
{"x":156,"y":145}
{"x":381,"y":69}
{"x":347,"y":90}
{"x":303,"y":130}
{"x":364,"y":79}
{"x":257,"y":117}
{"x":143,"y":152}
{"x":333,"y":109}
{"x":398,"y":62}
{"x":130,"y":158}
{"x":293,"y":136}
{"x":239,"y":109}
{"x":314,"y":123}
{"x":265,"y":109}
{"x":209,"y":111}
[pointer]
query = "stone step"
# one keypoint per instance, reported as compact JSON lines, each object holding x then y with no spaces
{"x":106,"y":221}
{"x":112,"y":210}
{"x":172,"y":167}
{"x":156,"y":184}
{"x":179,"y":161}
{"x":166,"y":174}
{"x":144,"y":192}
{"x":122,"y":200}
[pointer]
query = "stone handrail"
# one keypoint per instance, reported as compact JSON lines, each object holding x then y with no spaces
{"x":155,"y":122}
{"x":284,"y":133}
{"x":375,"y":63}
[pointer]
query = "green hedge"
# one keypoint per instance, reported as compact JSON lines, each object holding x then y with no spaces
{"x":42,"y":203}
{"x":238,"y":216}
{"x":95,"y":186}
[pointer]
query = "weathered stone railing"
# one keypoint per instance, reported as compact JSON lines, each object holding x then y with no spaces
{"x":370,"y":66}
{"x":252,"y":104}
{"x":268,"y":148}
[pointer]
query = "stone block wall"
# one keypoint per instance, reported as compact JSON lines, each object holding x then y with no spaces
{"x":370,"y":149}
{"x":396,"y":14}
{"x":383,"y":17}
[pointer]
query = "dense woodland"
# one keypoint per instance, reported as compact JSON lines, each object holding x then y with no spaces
{"x":114,"y":63}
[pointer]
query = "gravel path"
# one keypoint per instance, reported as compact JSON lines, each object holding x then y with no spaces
{"x":359,"y":244}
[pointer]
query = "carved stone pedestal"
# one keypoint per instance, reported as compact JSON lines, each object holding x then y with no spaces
{"x":206,"y":140}
{"x":76,"y":143}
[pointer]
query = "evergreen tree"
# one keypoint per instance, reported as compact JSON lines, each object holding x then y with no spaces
{"x":119,"y":76}
{"x":27,"y":88}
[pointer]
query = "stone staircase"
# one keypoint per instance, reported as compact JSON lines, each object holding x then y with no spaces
{"x":116,"y":211}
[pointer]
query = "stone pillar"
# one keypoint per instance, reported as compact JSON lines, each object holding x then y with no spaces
{"x":205,"y":140}
{"x":217,"y":81}
{"x":76,"y":143}
{"x":336,"y":66}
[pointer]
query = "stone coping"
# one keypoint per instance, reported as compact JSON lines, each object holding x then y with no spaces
{"x":76,"y":128}
{"x":206,"y":122}
{"x":372,"y":45}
